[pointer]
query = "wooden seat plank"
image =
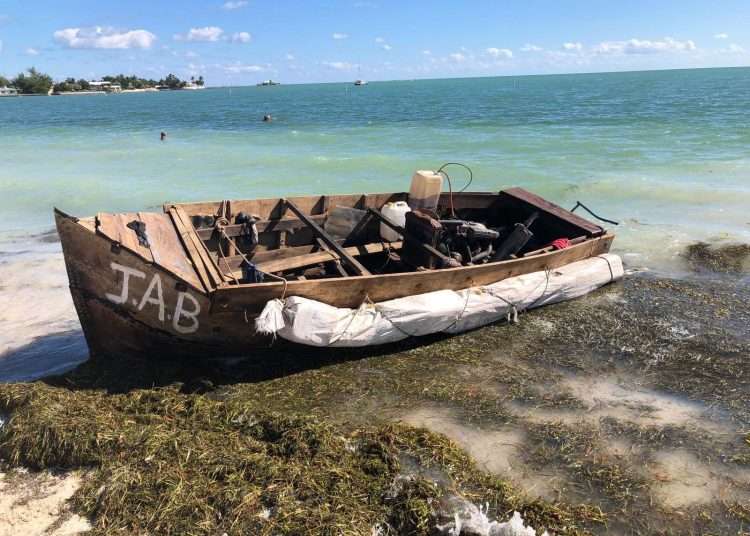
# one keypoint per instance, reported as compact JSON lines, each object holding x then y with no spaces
{"x":316,"y":257}
{"x":328,"y":239}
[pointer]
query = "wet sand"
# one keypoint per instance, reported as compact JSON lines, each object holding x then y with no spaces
{"x":36,"y":503}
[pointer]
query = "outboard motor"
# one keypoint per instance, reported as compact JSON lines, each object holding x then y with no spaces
{"x":467,"y":241}
{"x":516,"y":240}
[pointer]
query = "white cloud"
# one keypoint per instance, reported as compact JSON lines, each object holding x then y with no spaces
{"x":733,"y":49}
{"x":427,"y":52}
{"x":499,"y":53}
{"x":1,"y":46}
{"x":339,"y":65}
{"x":644,"y":46}
{"x":239,"y":68}
{"x":290,"y":57}
{"x":207,"y":34}
{"x":32,"y":52}
{"x":241,"y":37}
{"x":104,"y":37}
{"x":721,"y":36}
{"x":528,"y":47}
{"x":573,"y":47}
{"x":457,"y":57}
{"x":339,"y":36}
{"x":190,"y":54}
{"x":380,"y":40}
{"x":229,"y":6}
{"x":386,"y":47}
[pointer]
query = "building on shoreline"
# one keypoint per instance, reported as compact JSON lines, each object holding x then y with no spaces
{"x":8,"y":92}
{"x":104,"y":85}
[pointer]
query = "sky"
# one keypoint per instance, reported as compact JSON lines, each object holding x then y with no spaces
{"x":240,"y":42}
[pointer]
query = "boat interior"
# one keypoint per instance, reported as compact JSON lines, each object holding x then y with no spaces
{"x":243,"y":242}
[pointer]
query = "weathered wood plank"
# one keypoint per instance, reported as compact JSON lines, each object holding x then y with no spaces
{"x":167,"y":249}
{"x":212,"y":270}
{"x":263,"y":226}
{"x":351,"y":291}
{"x":534,"y":200}
{"x":187,"y":241}
{"x":271,"y":208}
{"x":300,"y":261}
{"x":329,"y":240}
{"x":115,"y":227}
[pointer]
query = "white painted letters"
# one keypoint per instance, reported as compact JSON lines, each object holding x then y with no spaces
{"x":159,"y":300}
{"x":184,"y":320}
{"x":179,"y":312}
{"x":126,"y":273}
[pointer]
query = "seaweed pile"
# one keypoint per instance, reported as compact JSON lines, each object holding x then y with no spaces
{"x":164,"y":462}
{"x":729,"y":258}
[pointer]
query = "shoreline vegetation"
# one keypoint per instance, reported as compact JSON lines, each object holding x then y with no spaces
{"x":34,"y":82}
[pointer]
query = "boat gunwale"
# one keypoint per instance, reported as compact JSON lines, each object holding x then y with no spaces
{"x":500,"y":264}
{"x":187,"y":204}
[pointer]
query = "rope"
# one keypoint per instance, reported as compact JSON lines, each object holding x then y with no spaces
{"x":609,"y":265}
{"x":351,"y":321}
{"x":512,"y":316}
{"x":231,"y":273}
{"x":272,"y":276}
{"x":587,"y":209}
{"x":391,"y":322}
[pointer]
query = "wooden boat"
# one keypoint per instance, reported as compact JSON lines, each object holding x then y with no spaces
{"x":186,"y":282}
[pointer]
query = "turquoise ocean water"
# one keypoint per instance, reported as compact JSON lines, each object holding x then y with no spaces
{"x":666,"y":153}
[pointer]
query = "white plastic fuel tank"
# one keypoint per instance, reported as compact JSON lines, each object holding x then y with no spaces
{"x":396,"y":213}
{"x":425,"y":190}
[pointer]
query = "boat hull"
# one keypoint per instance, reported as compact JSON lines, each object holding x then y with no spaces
{"x":130,"y":306}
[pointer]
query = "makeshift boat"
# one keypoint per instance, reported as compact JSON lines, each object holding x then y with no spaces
{"x":193,"y":280}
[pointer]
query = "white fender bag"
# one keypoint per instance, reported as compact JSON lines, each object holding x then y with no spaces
{"x":314,"y":323}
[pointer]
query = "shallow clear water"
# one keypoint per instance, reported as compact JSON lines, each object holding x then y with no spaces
{"x":666,"y":153}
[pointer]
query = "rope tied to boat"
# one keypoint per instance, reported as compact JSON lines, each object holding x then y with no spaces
{"x":244,"y":258}
{"x":511,"y":317}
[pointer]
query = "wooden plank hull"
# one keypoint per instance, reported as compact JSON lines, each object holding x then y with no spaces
{"x":130,"y":305}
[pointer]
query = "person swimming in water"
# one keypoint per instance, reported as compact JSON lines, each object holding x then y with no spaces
{"x":163,"y":136}
{"x":267,"y":118}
